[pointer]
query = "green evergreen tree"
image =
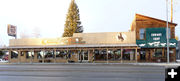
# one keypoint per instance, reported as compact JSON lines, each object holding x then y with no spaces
{"x":73,"y":23}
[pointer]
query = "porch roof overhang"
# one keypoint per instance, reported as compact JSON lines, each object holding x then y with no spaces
{"x":71,"y":46}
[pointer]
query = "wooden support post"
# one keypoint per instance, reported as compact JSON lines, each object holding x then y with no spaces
{"x":79,"y":56}
{"x":83,"y":55}
{"x":43,"y":56}
{"x":54,"y":55}
{"x":31,"y":56}
{"x":67,"y":55}
{"x":35,"y":56}
{"x":107,"y":55}
{"x":9,"y":57}
{"x":163,"y":52}
{"x":114,"y":59}
{"x":121,"y":55}
{"x":71,"y":56}
{"x":136,"y":55}
{"x":19,"y":56}
{"x":93,"y":56}
{"x":88,"y":55}
{"x":151,"y":54}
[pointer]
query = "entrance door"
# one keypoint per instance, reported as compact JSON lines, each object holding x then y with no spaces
{"x":23,"y":57}
{"x":26,"y":57}
{"x":142,"y":55}
{"x":83,"y":56}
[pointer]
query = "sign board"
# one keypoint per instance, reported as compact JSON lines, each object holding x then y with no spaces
{"x":11,"y":30}
{"x":63,"y":41}
{"x":46,"y":41}
{"x":156,"y":37}
{"x":121,"y":37}
{"x":108,"y":37}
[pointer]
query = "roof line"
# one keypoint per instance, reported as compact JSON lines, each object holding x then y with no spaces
{"x":155,"y":19}
{"x":73,"y":46}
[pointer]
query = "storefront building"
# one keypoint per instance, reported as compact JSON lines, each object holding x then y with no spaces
{"x":111,"y":47}
{"x":178,"y":51}
{"x":145,"y":42}
{"x":151,"y":38}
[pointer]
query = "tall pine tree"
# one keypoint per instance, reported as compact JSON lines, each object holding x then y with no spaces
{"x":73,"y":23}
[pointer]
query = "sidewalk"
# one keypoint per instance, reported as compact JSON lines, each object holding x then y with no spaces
{"x":143,"y":64}
{"x":159,"y":64}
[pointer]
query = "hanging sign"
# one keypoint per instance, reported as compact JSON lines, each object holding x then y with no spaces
{"x":11,"y":30}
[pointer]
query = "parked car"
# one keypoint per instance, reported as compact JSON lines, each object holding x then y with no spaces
{"x":5,"y":57}
{"x":3,"y":61}
{"x":178,"y":60}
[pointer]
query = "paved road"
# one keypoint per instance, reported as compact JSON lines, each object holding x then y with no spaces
{"x":81,"y":72}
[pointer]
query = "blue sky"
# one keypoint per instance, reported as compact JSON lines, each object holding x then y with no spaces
{"x":48,"y":16}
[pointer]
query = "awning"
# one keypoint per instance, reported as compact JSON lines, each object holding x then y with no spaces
{"x":73,"y":46}
{"x":148,"y":44}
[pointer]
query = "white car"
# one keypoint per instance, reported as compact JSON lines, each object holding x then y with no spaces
{"x":178,"y":60}
{"x":3,"y":61}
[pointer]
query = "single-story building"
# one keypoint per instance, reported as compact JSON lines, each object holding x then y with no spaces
{"x":145,"y":42}
{"x":82,"y":47}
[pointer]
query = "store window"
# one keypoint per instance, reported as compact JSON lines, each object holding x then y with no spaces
{"x":111,"y":55}
{"x":158,"y":53}
{"x":171,"y":51}
{"x":117,"y":54}
{"x":29,"y":54}
{"x":69,"y":54}
{"x":169,"y":32}
{"x":40,"y":54}
{"x":142,"y":33}
{"x":22,"y":53}
{"x":114,"y":55}
{"x":32,"y":55}
{"x":83,"y":55}
{"x":100,"y":55}
{"x":142,"y":53}
{"x":61,"y":54}
{"x":129,"y":54}
{"x":49,"y":54}
{"x":86,"y":55}
{"x":14,"y":54}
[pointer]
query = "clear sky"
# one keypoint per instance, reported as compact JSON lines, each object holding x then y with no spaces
{"x":48,"y":16}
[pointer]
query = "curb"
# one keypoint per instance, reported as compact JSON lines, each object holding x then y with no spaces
{"x":144,"y":64}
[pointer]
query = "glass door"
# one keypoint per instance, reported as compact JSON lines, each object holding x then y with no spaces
{"x":83,"y":56}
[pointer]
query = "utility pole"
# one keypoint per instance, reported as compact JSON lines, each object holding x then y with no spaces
{"x":171,"y":11}
{"x":167,"y":32}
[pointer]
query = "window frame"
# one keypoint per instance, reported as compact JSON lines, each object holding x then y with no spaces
{"x":140,"y":34}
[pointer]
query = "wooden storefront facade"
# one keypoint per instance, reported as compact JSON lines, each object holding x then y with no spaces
{"x":145,"y":42}
{"x":151,"y":38}
{"x":79,"y":54}
{"x":108,"y":47}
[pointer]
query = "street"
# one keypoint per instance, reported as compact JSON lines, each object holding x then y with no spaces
{"x":80,"y":72}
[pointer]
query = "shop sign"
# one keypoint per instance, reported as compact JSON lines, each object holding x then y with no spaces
{"x":156,"y":37}
{"x":54,"y":42}
{"x":121,"y":37}
{"x":62,"y":41}
{"x":11,"y":30}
